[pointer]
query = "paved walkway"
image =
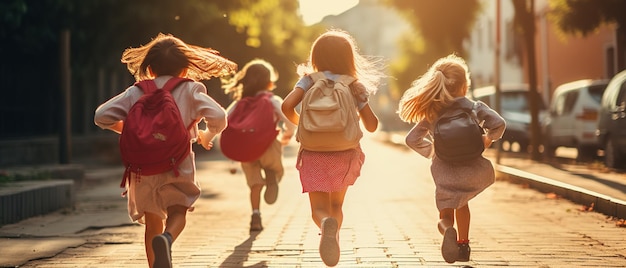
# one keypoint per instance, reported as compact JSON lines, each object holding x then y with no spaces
{"x":390,"y":221}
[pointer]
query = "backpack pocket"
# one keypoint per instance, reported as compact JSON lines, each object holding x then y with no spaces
{"x":325,"y":115}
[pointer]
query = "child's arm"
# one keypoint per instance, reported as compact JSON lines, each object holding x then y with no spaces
{"x":111,"y":114}
{"x":213,"y":113}
{"x":287,"y":127}
{"x":289,"y":105}
{"x":368,"y":118}
{"x":416,"y":140}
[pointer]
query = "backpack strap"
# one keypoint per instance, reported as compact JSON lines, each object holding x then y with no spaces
{"x":346,"y":79}
{"x":146,"y":86}
{"x":317,"y":76}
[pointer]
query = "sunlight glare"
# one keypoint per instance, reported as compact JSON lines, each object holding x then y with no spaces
{"x":313,"y":11}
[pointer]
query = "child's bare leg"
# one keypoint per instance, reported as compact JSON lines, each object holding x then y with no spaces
{"x":255,"y":196}
{"x":446,"y":219}
{"x":154,"y":226}
{"x":449,"y":246}
{"x":463,"y":222}
{"x":176,"y":220}
{"x":320,"y":206}
{"x":336,"y":205}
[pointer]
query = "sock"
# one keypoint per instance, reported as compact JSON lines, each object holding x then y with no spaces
{"x":256,"y":211}
{"x":462,"y":241}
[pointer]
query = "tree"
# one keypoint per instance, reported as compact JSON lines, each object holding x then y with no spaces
{"x":525,"y":23}
{"x":585,"y":16}
{"x":100,"y":31}
{"x":440,"y":29}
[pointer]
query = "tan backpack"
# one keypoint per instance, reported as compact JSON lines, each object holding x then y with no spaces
{"x":328,"y":117}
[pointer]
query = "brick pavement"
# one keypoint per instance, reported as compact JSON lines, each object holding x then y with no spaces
{"x":390,"y":221}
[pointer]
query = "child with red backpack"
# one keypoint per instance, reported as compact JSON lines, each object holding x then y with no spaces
{"x":255,"y":120}
{"x":157,"y":118}
{"x":330,"y":156}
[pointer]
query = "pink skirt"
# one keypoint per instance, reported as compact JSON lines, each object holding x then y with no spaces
{"x":329,"y":171}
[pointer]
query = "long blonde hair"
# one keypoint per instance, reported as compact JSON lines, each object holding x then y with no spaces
{"x":444,"y":81}
{"x":336,"y":51}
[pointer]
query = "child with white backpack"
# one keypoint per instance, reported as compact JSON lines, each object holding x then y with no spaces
{"x":336,"y":82}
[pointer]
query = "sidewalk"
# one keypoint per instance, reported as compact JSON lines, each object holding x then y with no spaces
{"x":390,"y":221}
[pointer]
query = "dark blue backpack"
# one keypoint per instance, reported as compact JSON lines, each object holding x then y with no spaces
{"x":457,"y":133}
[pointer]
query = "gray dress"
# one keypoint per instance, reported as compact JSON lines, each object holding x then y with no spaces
{"x":456,"y":184}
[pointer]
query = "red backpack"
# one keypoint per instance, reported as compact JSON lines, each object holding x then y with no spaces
{"x":251,"y":129}
{"x":154,"y":138}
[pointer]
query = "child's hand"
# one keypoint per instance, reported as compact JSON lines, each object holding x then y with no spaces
{"x":207,"y":146}
{"x":204,"y":140}
{"x":487,"y":141}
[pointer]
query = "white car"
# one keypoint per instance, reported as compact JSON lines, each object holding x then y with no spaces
{"x":573,"y":118}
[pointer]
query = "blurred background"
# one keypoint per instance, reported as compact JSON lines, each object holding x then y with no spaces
{"x":61,"y":58}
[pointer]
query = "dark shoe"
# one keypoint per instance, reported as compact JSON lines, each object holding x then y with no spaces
{"x":255,"y":223}
{"x":271,"y":190}
{"x":329,"y":246}
{"x":464,"y":252}
{"x":449,"y":246}
{"x":161,"y":246}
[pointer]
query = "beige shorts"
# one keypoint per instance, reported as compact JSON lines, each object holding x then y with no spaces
{"x":270,"y":161}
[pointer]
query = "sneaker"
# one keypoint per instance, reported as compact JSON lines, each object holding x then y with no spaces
{"x":255,"y":223}
{"x":449,"y":246}
{"x":161,"y":246}
{"x":464,"y":252}
{"x":271,"y":190}
{"x":329,"y":246}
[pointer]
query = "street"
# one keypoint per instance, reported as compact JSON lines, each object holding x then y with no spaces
{"x":390,"y":221}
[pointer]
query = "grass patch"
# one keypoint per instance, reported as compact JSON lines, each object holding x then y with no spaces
{"x":6,"y":177}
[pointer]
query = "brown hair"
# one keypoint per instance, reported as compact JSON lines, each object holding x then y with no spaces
{"x":168,"y":55}
{"x":336,"y":51}
{"x":255,"y":76}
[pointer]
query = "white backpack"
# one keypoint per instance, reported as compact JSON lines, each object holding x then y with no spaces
{"x":328,"y":118}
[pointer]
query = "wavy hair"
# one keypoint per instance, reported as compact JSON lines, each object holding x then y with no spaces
{"x":255,"y":76}
{"x":168,"y":55}
{"x":336,"y":51}
{"x":444,"y":81}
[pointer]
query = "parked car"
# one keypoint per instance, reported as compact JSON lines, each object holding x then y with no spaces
{"x":612,"y":122}
{"x":515,"y":109}
{"x":573,"y":118}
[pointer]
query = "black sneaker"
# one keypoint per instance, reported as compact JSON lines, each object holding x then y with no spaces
{"x":161,"y":246}
{"x":464,"y":252}
{"x":255,"y":223}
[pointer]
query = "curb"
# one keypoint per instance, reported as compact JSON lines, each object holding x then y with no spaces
{"x":27,"y":199}
{"x":601,"y":203}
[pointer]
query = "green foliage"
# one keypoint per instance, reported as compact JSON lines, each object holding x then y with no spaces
{"x":585,"y":16}
{"x":6,"y":177}
{"x":440,"y":28}
{"x":100,"y":31}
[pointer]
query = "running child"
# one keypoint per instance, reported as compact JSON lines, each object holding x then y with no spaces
{"x":161,"y":201}
{"x":446,"y":83}
{"x":326,"y":175}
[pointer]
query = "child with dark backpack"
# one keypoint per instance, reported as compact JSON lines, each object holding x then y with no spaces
{"x":436,"y":102}
{"x":334,"y":89}
{"x":255,"y":120}
{"x":158,"y":118}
